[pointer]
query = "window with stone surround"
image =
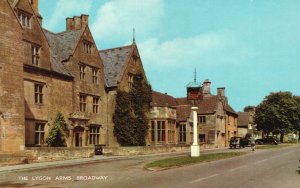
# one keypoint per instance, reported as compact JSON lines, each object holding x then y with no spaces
{"x":182,"y":133}
{"x":202,"y":138}
{"x":130,"y":80}
{"x":171,"y":131}
{"x":94,"y":134}
{"x":38,"y":93}
{"x":24,"y":18}
{"x":82,"y":103}
{"x":87,"y":47}
{"x":39,"y":134}
{"x":202,"y":119}
{"x":82,"y":71}
{"x":95,"y":76}
{"x":96,"y":105}
{"x":161,"y":131}
{"x":35,"y":54}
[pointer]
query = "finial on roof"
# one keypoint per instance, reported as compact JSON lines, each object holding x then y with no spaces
{"x":133,"y":38}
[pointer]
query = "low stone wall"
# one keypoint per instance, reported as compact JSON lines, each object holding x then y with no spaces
{"x":13,"y":158}
{"x":143,"y":150}
{"x":43,"y":154}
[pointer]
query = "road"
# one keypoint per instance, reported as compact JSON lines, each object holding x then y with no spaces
{"x":262,"y":168}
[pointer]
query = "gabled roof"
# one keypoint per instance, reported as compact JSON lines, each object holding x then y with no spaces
{"x":114,"y":61}
{"x":229,"y":109}
{"x":183,"y":112}
{"x":208,"y":105}
{"x":62,"y":45}
{"x":243,"y":119}
{"x":163,"y":100}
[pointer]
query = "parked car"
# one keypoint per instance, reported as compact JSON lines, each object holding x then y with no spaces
{"x":238,"y":142}
{"x":268,"y":140}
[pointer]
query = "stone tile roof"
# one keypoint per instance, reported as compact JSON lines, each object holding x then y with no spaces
{"x":182,"y":101}
{"x":243,"y":119}
{"x":62,"y":45}
{"x":163,"y":100}
{"x":228,"y":108}
{"x":208,"y":105}
{"x":114,"y":60}
{"x":183,"y":112}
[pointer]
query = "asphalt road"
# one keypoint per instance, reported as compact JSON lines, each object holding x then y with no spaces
{"x":262,"y":168}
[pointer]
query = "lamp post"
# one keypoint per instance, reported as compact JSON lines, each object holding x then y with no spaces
{"x":195,"y":148}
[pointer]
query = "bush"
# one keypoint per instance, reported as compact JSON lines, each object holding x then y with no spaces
{"x":56,"y":136}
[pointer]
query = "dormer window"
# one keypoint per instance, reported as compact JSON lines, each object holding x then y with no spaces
{"x":25,"y":19}
{"x":87,"y":47}
{"x":35,"y":54}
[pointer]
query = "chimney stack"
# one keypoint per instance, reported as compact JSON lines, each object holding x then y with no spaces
{"x":221,"y":91}
{"x":206,"y":88}
{"x":35,"y":7}
{"x":77,"y":22}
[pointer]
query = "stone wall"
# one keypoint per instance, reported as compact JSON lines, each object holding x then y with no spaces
{"x":143,"y":150}
{"x":11,"y":81}
{"x":44,"y":154}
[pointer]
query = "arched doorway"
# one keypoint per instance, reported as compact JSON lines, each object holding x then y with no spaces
{"x":78,"y":136}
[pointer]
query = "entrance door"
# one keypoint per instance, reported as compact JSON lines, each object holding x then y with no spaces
{"x":78,"y":136}
{"x":77,"y":139}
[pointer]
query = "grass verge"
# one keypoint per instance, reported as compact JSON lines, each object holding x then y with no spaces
{"x":272,"y":146}
{"x":185,"y":160}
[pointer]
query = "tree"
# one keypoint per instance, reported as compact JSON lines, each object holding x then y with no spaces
{"x":278,"y":113}
{"x":131,"y":123}
{"x":56,"y":136}
{"x":249,"y":108}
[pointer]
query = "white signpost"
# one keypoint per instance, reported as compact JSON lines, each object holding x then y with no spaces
{"x":195,"y":148}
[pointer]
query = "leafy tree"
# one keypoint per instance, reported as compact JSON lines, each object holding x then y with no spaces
{"x":131,"y":123}
{"x":56,"y":136}
{"x":249,"y":108}
{"x":278,"y":113}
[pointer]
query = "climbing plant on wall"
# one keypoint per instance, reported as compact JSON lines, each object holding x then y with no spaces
{"x":56,"y":136}
{"x":130,"y":117}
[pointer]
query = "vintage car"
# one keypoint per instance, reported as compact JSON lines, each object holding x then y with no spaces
{"x":267,"y":140}
{"x":238,"y":142}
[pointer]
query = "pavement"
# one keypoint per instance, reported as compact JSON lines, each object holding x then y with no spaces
{"x":96,"y":158}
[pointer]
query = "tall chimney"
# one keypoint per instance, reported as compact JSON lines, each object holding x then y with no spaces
{"x":35,"y":7}
{"x":206,"y":88}
{"x":77,"y":22}
{"x":70,"y":24}
{"x":221,"y":91}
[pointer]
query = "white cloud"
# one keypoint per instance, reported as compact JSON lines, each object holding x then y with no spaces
{"x":181,"y":52}
{"x":67,"y":8}
{"x":116,"y":19}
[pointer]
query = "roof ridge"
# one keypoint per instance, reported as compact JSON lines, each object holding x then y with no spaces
{"x":115,"y":48}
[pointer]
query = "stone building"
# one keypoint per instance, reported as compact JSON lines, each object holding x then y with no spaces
{"x":121,"y":64}
{"x":162,"y":124}
{"x":43,"y":73}
{"x":216,"y":119}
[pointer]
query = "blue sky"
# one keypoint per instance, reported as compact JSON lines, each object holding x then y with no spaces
{"x":250,"y":47}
